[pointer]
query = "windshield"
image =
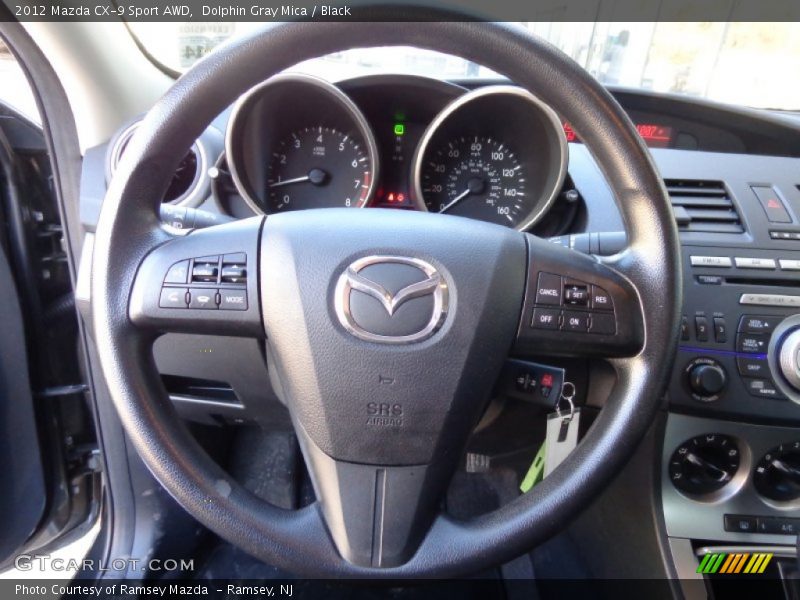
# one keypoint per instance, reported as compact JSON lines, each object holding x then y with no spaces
{"x":749,"y":64}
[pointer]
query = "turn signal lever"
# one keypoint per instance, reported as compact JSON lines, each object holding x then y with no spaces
{"x":604,"y":243}
{"x":182,"y":217}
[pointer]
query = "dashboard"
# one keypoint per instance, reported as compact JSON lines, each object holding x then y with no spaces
{"x":730,"y":452}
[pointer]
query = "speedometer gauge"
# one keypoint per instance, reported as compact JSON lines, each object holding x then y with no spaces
{"x":496,"y":153}
{"x":478,"y":177}
{"x":318,"y":167}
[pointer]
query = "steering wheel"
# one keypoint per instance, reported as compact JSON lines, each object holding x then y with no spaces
{"x":468,"y":292}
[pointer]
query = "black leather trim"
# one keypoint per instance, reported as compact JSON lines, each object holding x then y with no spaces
{"x":297,"y":541}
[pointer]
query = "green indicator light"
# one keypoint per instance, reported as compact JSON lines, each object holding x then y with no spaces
{"x":399,"y":129}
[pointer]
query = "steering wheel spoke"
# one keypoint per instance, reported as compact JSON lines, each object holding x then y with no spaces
{"x":204,"y":282}
{"x":576,"y":305}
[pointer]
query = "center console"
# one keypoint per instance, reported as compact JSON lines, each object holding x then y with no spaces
{"x":730,"y":459}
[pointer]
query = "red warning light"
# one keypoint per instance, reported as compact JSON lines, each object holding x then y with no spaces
{"x":547,"y":380}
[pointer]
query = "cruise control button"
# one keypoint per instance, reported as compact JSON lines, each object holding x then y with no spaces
{"x":548,"y":289}
{"x":603,"y":323}
{"x":545,"y":318}
{"x":576,"y":294}
{"x":575,"y":321}
{"x":178,"y":273}
{"x":172,"y":298}
{"x":600,"y":299}
{"x":753,"y":367}
{"x":234,"y":274}
{"x":233,"y":299}
{"x":756,"y":343}
{"x":203,"y":298}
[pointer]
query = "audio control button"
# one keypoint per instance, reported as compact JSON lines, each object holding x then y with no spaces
{"x":753,"y":343}
{"x":757,"y":324}
{"x":753,"y":367}
{"x":763,"y":388}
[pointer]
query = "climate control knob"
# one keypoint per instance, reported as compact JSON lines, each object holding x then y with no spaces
{"x":704,"y":464}
{"x":789,"y":359}
{"x":706,"y":379}
{"x":777,"y":474}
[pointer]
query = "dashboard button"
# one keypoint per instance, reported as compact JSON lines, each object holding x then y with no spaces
{"x":233,"y":274}
{"x":545,"y":318}
{"x":548,"y":290}
{"x":172,"y":298}
{"x":710,"y":261}
{"x":752,"y":367}
{"x":178,"y":273}
{"x":709,"y":279}
{"x":232,"y":299}
{"x":603,"y":324}
{"x":778,"y":525}
{"x":576,"y":294}
{"x":240,"y":258}
{"x":763,"y":388}
{"x":772,"y":204}
{"x":755,"y":263}
{"x":701,"y":329}
{"x":720,"y":330}
{"x":575,"y":321}
{"x":600,"y":299}
{"x":684,"y":329}
{"x":203,"y":299}
{"x":770,"y":300}
{"x":757,"y":323}
{"x":205,"y":272}
{"x":755,"y":343}
{"x":789,"y":264}
{"x":741,"y":523}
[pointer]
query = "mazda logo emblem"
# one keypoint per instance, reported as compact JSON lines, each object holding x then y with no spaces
{"x":380,"y":285}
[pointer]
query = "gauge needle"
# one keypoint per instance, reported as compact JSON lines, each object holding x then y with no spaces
{"x":474,"y":186}
{"x":315,"y":176}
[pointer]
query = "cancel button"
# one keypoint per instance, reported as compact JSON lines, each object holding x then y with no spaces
{"x":548,"y":290}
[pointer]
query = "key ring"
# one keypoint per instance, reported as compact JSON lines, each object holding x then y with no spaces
{"x":567,"y":397}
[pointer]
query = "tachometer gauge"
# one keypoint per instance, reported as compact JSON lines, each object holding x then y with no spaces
{"x":478,"y":177}
{"x":318,"y":167}
{"x":296,"y":142}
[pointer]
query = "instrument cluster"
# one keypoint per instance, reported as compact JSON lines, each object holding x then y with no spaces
{"x":496,"y":153}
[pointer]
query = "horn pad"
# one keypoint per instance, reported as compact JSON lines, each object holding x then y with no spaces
{"x":386,"y":335}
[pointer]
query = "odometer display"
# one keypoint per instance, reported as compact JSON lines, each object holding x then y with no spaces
{"x":318,"y":167}
{"x":475,"y":176}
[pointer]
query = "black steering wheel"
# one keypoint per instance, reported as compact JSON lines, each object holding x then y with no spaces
{"x":470,"y":301}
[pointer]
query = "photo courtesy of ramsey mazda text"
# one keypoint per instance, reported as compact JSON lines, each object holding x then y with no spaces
{"x":367,"y":299}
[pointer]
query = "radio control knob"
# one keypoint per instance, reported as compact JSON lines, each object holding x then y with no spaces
{"x":707,"y":380}
{"x":789,"y":359}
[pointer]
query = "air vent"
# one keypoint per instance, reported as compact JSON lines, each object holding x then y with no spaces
{"x":186,"y":187}
{"x":703,"y":206}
